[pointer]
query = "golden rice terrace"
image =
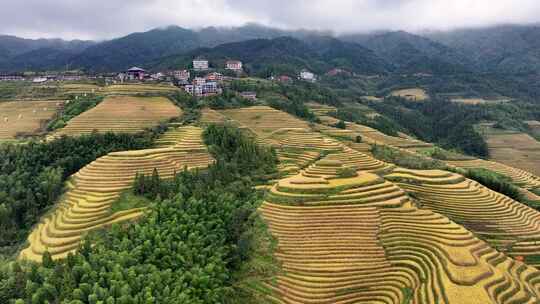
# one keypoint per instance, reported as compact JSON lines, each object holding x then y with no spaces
{"x":349,"y":228}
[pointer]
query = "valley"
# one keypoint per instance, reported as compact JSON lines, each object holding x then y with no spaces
{"x":257,"y":165}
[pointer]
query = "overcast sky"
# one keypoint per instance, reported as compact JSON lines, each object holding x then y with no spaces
{"x":104,"y":19}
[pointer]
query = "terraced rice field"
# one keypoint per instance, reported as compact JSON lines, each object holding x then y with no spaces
{"x":358,"y":239}
{"x":122,"y":114}
{"x":534,"y":125}
{"x":133,"y":89}
{"x":25,"y":117}
{"x":504,"y":223}
{"x":512,"y":148}
{"x":80,"y":89}
{"x":263,"y":120}
{"x":415,"y":94}
{"x":209,"y":116}
{"x":373,"y":136}
{"x":449,"y":264}
{"x":475,"y":101}
{"x":328,"y":243}
{"x":520,"y":177}
{"x":86,"y":206}
{"x":320,"y":109}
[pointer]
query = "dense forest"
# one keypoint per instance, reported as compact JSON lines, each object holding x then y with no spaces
{"x":189,"y":248}
{"x":32,"y":176}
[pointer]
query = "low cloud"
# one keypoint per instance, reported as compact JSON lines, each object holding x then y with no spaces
{"x":104,"y":19}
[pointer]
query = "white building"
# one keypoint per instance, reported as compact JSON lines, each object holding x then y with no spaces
{"x":39,"y":80}
{"x":206,"y":89}
{"x":181,"y":75}
{"x":233,"y":65}
{"x":308,"y":76}
{"x":195,"y":90}
{"x":211,"y":87}
{"x":199,"y":81}
{"x":157,"y":76}
{"x":214,"y":76}
{"x":11,"y":78}
{"x":200,"y":65}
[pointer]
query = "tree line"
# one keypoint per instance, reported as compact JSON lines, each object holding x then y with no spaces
{"x":32,"y":176}
{"x":188,"y":248}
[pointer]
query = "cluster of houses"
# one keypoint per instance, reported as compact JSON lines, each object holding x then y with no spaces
{"x":201,"y":80}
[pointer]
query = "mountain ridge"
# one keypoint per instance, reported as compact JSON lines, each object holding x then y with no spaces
{"x":505,"y":48}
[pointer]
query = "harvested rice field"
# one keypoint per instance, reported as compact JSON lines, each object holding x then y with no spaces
{"x":209,"y":116}
{"x":505,"y":224}
{"x":415,"y":94}
{"x":263,"y":120}
{"x":134,"y":89}
{"x":357,"y":238}
{"x":373,"y":136}
{"x":91,"y":192}
{"x":26,"y":117}
{"x":520,"y":177}
{"x":122,"y":114}
{"x":511,"y":148}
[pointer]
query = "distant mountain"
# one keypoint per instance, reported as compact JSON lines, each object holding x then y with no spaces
{"x":505,"y":48}
{"x":136,"y":49}
{"x":139,"y":49}
{"x":19,"y":53}
{"x":410,"y":53}
{"x":144,"y":48}
{"x":502,"y":49}
{"x":286,"y":55}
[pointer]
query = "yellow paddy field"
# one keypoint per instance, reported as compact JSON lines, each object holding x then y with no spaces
{"x":514,"y":149}
{"x":122,"y":114}
{"x":349,"y":228}
{"x":263,"y":120}
{"x":133,"y":89}
{"x":86,"y":206}
{"x":360,"y":239}
{"x":414,"y":94}
{"x":25,"y":117}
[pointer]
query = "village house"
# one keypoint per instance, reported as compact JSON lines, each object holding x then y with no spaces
{"x":135,"y":73}
{"x":10,"y":77}
{"x":283,"y":78}
{"x":214,"y":76}
{"x":199,"y":81}
{"x":211,"y":88}
{"x":158,"y":76}
{"x":249,"y":95}
{"x":181,"y":75}
{"x":39,"y":80}
{"x":234,"y":65}
{"x":307,"y":76}
{"x":200,"y":64}
{"x":195,"y":90}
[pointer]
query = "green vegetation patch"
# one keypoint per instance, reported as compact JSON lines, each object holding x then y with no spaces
{"x":32,"y":176}
{"x":129,"y":200}
{"x":405,"y":159}
{"x":72,"y":109}
{"x":200,"y":243}
{"x":496,"y":182}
